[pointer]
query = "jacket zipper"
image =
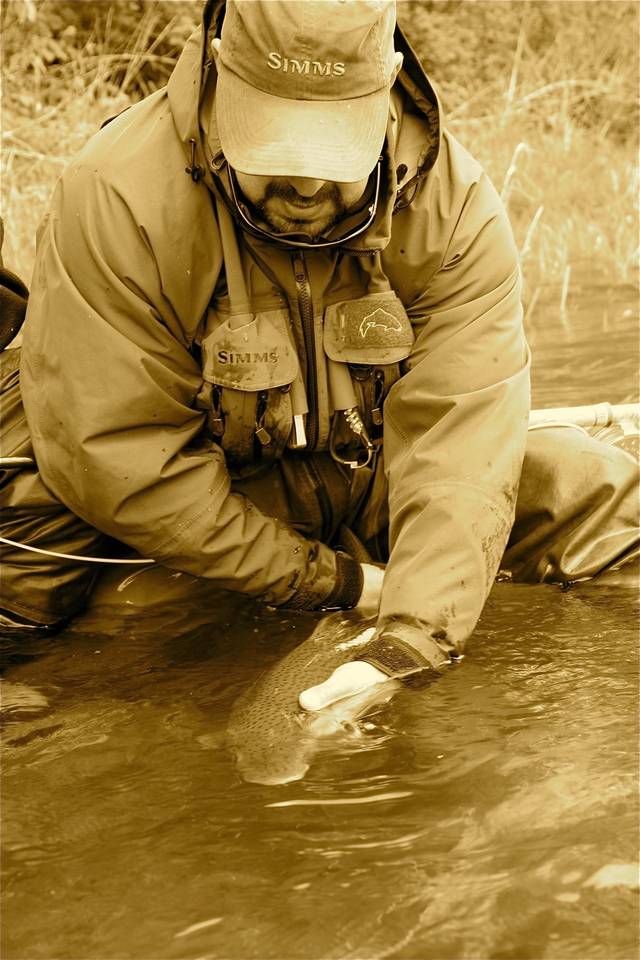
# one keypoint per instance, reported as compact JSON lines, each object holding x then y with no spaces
{"x":305,"y":306}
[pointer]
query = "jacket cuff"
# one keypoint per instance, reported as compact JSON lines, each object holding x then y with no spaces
{"x":344,"y":591}
{"x":349,"y":584}
{"x":398,"y":658}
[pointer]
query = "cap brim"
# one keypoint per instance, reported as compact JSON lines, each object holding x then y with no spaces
{"x":266,"y":136}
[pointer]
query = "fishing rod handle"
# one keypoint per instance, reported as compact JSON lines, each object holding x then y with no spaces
{"x":593,"y":415}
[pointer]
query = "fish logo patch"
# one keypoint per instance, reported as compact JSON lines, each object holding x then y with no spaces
{"x":371,"y":330}
{"x":380,"y":319}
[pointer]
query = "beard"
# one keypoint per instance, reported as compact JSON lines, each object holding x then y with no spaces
{"x":271,"y":209}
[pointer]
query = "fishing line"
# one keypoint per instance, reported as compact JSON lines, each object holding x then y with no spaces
{"x":342,"y":801}
{"x":70,"y":556}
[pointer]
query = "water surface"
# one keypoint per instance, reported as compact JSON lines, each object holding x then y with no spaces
{"x":493,"y":815}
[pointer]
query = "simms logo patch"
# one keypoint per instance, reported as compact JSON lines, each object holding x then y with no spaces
{"x":380,"y":319}
{"x":268,"y":356}
{"x":314,"y":67}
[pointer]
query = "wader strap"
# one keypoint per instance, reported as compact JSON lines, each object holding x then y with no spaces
{"x":378,"y":281}
{"x":239,"y":429}
{"x":238,"y":296}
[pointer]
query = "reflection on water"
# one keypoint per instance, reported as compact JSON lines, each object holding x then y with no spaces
{"x":493,"y":815}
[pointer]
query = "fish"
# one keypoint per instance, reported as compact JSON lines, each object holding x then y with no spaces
{"x":272,"y":738}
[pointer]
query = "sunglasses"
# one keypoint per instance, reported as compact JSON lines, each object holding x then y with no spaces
{"x":298,"y":244}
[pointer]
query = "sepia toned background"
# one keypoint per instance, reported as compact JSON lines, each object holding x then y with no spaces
{"x":492,"y":815}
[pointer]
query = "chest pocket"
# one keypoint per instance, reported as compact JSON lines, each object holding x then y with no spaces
{"x":372,"y":335}
{"x":248,"y":370}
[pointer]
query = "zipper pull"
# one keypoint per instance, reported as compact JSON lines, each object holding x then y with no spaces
{"x":299,"y":271}
{"x":261,"y":432}
{"x":216,"y":416}
{"x":263,"y":436}
{"x":195,"y":170}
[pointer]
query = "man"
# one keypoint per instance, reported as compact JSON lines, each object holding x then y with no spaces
{"x":247,"y":282}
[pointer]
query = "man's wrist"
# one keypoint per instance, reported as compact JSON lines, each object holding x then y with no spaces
{"x":369,"y":602}
{"x":348,"y":586}
{"x":392,"y":651}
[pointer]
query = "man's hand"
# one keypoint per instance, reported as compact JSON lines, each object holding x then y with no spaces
{"x":347,"y":680}
{"x":369,"y":602}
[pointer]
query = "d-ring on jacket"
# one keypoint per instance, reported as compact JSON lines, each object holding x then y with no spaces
{"x":129,"y":264}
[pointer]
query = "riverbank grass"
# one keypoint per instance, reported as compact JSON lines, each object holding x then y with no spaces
{"x":536,"y":92}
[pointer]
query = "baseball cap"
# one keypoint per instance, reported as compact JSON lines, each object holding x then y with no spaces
{"x":303,"y":86}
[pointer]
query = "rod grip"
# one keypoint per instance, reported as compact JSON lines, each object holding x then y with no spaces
{"x":592,"y":415}
{"x":341,"y":390}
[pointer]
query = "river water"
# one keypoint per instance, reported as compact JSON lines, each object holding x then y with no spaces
{"x":494,"y":815}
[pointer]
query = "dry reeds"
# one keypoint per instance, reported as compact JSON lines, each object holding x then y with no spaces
{"x":543,"y":93}
{"x":61,"y":82}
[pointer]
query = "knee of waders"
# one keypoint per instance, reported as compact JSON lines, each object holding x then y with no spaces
{"x":577,"y":509}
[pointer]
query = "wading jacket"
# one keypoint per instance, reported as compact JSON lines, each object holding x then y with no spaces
{"x":130,"y":360}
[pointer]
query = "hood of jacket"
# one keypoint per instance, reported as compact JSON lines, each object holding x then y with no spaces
{"x":413,"y":141}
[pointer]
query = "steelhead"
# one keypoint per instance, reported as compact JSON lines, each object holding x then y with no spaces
{"x":273,"y":739}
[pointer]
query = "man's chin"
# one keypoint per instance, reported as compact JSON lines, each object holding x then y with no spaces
{"x":277,"y":215}
{"x":311,"y":228}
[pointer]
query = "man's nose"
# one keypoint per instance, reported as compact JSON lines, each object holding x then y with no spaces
{"x":306,"y":186}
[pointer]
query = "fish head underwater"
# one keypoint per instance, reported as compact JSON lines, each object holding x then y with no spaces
{"x":272,"y":738}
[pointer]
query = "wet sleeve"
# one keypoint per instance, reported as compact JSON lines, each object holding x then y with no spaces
{"x":455,"y":433}
{"x":109,"y":388}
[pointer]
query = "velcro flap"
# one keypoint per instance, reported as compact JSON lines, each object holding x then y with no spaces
{"x":258,"y":355}
{"x":372,"y":329}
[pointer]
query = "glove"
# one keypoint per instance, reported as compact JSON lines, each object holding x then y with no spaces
{"x":347,"y":680}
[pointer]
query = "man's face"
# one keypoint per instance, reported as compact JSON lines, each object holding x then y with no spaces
{"x":299,"y":204}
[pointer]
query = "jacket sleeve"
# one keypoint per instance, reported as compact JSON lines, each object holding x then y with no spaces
{"x":455,"y":433}
{"x":109,"y":388}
